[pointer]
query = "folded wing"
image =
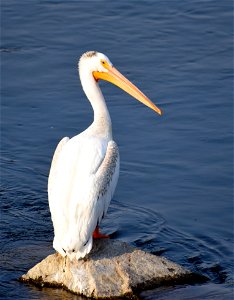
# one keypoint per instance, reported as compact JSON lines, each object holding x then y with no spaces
{"x":82,"y":181}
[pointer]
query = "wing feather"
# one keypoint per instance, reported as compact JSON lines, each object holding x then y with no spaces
{"x":108,"y":174}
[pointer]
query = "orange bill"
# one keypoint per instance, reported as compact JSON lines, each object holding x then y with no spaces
{"x":114,"y":76}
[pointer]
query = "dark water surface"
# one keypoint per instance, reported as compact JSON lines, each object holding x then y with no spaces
{"x":174,"y":195}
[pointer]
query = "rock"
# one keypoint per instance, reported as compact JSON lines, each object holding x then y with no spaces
{"x":112,"y":269}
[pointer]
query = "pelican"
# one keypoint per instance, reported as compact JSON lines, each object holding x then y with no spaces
{"x":85,"y":168}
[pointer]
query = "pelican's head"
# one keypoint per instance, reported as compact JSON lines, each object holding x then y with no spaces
{"x":101,"y":68}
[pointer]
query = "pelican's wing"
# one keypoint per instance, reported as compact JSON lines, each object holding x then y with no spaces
{"x":53,"y":168}
{"x":81,"y":186}
{"x":106,"y":179}
{"x":98,"y":194}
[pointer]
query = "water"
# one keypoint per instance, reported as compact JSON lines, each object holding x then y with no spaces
{"x":174,"y":196}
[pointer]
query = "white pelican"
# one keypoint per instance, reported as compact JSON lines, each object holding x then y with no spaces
{"x":85,"y":169}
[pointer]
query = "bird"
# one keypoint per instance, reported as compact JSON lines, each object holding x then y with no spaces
{"x":85,"y":168}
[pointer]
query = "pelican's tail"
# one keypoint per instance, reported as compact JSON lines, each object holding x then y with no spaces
{"x":73,"y":252}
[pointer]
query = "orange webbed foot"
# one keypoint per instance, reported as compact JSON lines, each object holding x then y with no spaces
{"x":98,"y":235}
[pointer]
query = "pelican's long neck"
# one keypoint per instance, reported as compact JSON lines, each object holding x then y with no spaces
{"x":102,"y":120}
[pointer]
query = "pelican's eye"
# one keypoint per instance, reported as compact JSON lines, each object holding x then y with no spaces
{"x":104,"y":63}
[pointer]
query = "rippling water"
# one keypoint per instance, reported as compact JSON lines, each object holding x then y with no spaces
{"x":174,"y":196}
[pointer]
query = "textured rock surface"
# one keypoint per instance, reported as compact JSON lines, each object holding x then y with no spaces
{"x":112,"y":269}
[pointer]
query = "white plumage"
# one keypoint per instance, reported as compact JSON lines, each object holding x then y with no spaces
{"x":85,"y":169}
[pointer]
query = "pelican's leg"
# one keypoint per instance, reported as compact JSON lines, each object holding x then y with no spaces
{"x":98,"y":235}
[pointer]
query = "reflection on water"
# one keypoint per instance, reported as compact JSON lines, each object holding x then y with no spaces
{"x":174,"y":196}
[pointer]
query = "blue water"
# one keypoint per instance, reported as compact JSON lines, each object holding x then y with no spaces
{"x":175,"y":192}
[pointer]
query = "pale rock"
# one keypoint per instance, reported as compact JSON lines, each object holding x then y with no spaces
{"x":112,"y":269}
